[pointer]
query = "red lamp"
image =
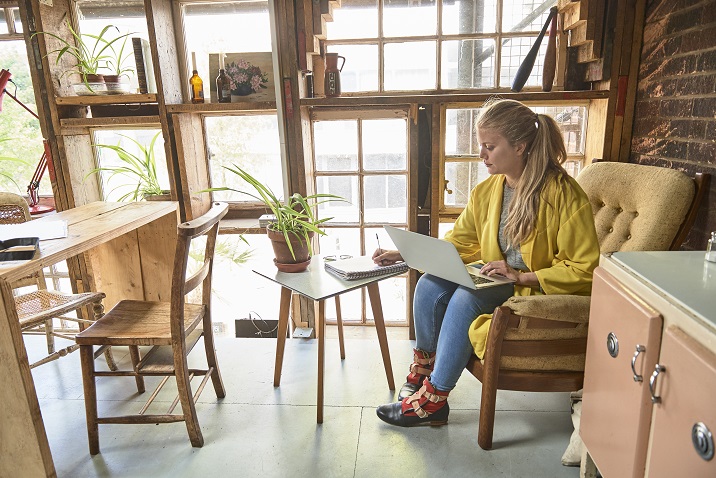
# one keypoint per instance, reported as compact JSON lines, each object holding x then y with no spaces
{"x":45,"y":160}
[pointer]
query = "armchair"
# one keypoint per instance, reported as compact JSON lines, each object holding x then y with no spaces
{"x":538,"y":343}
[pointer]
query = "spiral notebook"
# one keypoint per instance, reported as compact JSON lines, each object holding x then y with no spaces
{"x":362,"y":267}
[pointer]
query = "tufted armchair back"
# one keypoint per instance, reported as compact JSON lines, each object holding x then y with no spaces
{"x":636,"y":207}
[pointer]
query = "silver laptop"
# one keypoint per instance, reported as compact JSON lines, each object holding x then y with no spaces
{"x":441,"y":259}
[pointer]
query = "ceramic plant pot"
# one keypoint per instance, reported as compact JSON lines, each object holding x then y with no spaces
{"x":285,"y":262}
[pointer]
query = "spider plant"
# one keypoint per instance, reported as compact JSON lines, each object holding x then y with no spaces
{"x":141,"y":168}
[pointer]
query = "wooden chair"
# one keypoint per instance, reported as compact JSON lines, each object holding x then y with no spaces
{"x":38,"y":309}
{"x":171,"y":328}
{"x":538,"y":343}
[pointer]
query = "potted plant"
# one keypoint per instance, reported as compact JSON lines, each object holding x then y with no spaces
{"x":92,"y":53}
{"x":117,"y":81}
{"x":142,"y":168}
{"x":295,"y":221}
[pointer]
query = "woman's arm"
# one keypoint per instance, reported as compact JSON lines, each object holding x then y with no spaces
{"x":526,"y":279}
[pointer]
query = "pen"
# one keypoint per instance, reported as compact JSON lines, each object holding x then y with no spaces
{"x":379,"y":248}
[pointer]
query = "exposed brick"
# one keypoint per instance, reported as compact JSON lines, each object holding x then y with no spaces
{"x":710,"y":132}
{"x":655,"y":31}
{"x":652,"y":126}
{"x":662,"y":48}
{"x":701,"y":39}
{"x":643,"y":145}
{"x":670,"y":148}
{"x":658,"y":89}
{"x":706,"y":61}
{"x":697,"y":129}
{"x":680,"y":128}
{"x":679,"y":65}
{"x":702,"y":152}
{"x":648,"y":69}
{"x":695,"y":85}
{"x":684,"y":20}
{"x":676,"y":108}
{"x":646,"y":107}
{"x":704,"y":108}
{"x":656,"y":10}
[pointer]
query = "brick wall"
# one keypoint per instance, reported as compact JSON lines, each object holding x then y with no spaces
{"x":675,"y":118}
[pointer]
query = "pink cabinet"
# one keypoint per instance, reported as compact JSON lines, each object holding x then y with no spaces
{"x":684,"y":421}
{"x":622,"y":350}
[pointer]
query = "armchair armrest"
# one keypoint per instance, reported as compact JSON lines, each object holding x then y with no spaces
{"x":566,"y":308}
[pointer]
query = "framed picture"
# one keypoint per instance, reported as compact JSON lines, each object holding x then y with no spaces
{"x":251,"y":76}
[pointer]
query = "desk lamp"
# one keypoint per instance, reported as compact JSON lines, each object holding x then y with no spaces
{"x":46,"y":158}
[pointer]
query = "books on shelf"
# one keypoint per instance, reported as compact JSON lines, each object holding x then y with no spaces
{"x":144,"y":65}
{"x":362,"y":267}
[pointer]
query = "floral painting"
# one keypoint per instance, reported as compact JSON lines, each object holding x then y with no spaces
{"x":250,"y":76}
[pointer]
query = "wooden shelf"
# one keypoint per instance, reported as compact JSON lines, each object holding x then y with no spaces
{"x":81,"y":125}
{"x":222,"y":107}
{"x":105,"y":100}
{"x":446,"y":97}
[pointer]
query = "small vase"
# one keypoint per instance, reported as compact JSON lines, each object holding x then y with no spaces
{"x":242,"y":90}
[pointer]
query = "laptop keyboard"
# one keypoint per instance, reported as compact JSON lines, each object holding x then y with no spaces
{"x":480,"y":280}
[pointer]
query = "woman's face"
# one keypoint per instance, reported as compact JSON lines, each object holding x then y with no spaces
{"x":500,"y":156}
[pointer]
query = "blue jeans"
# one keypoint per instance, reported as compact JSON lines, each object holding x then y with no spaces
{"x":443,"y":312}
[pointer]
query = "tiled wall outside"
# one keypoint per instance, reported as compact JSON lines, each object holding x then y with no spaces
{"x":675,"y":118}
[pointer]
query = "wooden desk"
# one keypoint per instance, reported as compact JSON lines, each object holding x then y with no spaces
{"x":318,"y":285}
{"x":129,"y":250}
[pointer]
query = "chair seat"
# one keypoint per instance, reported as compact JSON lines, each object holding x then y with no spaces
{"x":37,"y":306}
{"x":136,"y":322}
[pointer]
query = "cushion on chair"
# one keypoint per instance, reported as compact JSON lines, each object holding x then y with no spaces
{"x":569,"y":308}
{"x":645,"y":219}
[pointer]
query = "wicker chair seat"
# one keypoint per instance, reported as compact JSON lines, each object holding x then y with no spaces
{"x":36,"y":307}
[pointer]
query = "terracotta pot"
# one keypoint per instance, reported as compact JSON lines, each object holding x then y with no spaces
{"x":92,"y":78}
{"x":284,"y":260}
{"x":165,"y":196}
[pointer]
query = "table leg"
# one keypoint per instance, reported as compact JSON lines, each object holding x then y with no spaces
{"x":281,"y":337}
{"x":321,"y":356}
{"x":339,"y":321}
{"x":374,"y":295}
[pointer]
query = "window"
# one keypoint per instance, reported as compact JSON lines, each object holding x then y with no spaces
{"x":462,"y":167}
{"x":363,"y":157}
{"x":132,"y":143}
{"x":404,"y":45}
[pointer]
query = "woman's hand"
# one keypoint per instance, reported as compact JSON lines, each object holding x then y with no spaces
{"x":384,"y":257}
{"x":503,"y":269}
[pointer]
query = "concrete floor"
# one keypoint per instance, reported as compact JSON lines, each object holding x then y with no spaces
{"x":262,"y":431}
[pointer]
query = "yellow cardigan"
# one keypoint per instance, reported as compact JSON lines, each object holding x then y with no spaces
{"x":562,"y":250}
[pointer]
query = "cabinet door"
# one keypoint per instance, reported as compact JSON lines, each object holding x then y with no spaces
{"x":687,"y":388}
{"x":616,"y":409}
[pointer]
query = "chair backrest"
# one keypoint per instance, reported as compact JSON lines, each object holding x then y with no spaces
{"x":207,"y":225}
{"x":638,"y":207}
{"x":13,"y":209}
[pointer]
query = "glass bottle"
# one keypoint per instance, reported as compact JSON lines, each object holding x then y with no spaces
{"x":197,"y":88}
{"x":223,"y":87}
{"x":711,"y":248}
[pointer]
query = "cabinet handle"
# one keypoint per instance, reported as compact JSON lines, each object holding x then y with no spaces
{"x":652,"y":383}
{"x":636,"y":376}
{"x":612,"y":344}
{"x":703,"y":441}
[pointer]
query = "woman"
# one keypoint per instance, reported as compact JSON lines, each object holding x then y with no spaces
{"x":529,"y":221}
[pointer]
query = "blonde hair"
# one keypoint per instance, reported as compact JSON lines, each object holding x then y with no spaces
{"x":544,"y":154}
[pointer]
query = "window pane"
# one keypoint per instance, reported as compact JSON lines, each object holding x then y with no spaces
{"x":385,"y":199}
{"x":345,"y":187}
{"x":524,"y":15}
{"x":402,"y":19}
{"x":468,"y":64}
{"x":3,"y":22}
{"x":572,"y":122}
{"x":384,"y":144}
{"x":336,"y":145}
{"x":410,"y":66}
{"x":354,"y":19}
{"x":513,"y":52}
{"x":469,"y":16}
{"x":234,"y":27}
{"x":250,"y":142}
{"x":20,"y":135}
{"x":340,"y":240}
{"x":18,"y":23}
{"x":462,"y":177}
{"x":360,"y":72}
{"x":393,"y":298}
{"x":121,"y":187}
{"x":460,"y":135}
